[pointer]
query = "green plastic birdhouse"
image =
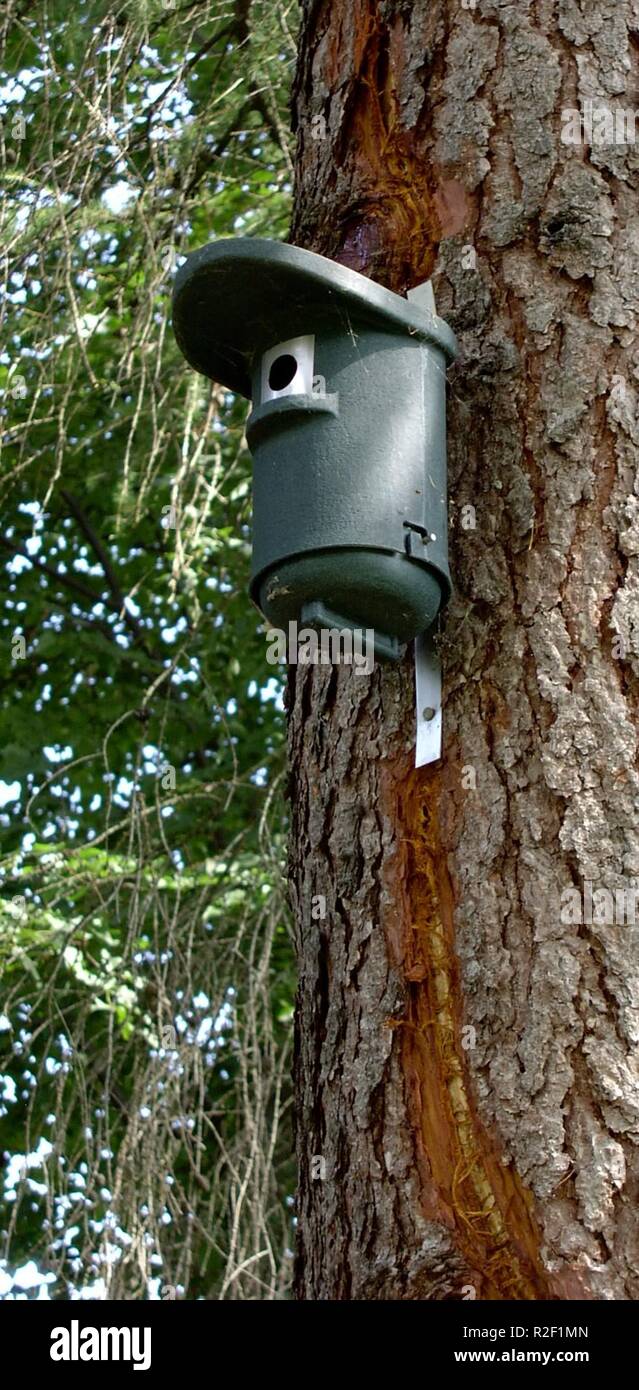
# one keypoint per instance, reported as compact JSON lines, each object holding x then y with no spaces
{"x":347,"y":431}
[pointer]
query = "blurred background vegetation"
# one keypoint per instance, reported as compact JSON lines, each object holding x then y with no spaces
{"x":146,"y":972}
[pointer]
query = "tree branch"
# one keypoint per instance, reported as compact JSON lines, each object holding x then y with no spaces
{"x":66,"y":579}
{"x":105,"y":560}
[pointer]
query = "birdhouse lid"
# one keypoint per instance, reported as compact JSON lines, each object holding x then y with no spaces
{"x":235,"y":298}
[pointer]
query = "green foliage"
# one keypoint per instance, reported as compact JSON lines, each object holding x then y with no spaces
{"x":146,"y":970}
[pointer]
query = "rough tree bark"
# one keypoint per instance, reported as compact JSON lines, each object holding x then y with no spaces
{"x":466,"y":1061}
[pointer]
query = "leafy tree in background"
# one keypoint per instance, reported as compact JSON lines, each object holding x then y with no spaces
{"x":146,"y":976}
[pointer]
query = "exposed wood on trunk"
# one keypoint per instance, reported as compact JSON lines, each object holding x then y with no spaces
{"x":467,"y":1055}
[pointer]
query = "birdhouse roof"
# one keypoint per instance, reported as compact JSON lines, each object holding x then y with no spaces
{"x":235,"y":298}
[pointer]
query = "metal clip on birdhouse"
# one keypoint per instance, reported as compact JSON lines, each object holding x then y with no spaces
{"x":347,"y":432}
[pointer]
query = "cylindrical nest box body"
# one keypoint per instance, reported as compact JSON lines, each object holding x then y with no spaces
{"x":347,"y":432}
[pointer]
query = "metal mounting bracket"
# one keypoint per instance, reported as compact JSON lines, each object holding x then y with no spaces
{"x":428,"y":697}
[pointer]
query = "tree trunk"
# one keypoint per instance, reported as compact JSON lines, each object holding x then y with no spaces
{"x":466,"y":1063}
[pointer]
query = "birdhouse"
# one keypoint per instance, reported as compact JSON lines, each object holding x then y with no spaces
{"x":347,"y":431}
